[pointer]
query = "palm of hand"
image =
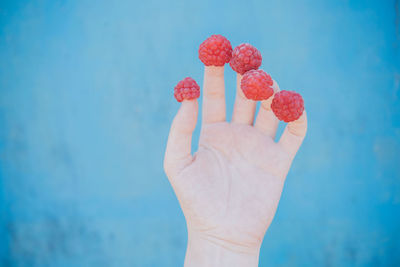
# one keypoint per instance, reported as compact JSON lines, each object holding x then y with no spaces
{"x":231,"y":189}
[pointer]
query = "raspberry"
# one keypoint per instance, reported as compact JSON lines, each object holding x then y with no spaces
{"x":215,"y":51}
{"x":245,"y":57}
{"x":287,"y":105}
{"x":186,"y":89}
{"x":257,"y":85}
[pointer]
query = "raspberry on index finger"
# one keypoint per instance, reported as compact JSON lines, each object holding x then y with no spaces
{"x":287,"y":105}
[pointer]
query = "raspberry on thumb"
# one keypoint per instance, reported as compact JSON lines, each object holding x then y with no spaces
{"x":178,"y":152}
{"x":186,"y":89}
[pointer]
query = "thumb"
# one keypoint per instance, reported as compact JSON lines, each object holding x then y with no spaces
{"x":178,"y":151}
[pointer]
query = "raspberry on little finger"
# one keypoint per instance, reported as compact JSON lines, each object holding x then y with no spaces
{"x":287,"y":105}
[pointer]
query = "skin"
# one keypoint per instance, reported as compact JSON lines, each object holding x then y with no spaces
{"x":230,"y":188}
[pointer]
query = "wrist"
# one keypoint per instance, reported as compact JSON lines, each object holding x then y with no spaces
{"x":205,"y":250}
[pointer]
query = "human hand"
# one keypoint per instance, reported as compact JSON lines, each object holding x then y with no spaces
{"x":230,"y":188}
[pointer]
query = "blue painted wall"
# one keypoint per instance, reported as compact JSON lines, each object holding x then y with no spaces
{"x":85,"y":107}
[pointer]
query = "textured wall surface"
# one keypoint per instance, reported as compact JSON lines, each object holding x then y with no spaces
{"x":85,"y":107}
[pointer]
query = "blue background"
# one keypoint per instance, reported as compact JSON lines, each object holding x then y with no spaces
{"x":86,"y":103}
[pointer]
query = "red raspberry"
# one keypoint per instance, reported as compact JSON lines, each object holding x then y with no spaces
{"x":215,"y":51}
{"x":287,"y":105}
{"x":257,"y":85}
{"x":186,"y":89}
{"x":245,"y":57}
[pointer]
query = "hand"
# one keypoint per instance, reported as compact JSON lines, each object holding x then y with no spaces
{"x":230,"y":188}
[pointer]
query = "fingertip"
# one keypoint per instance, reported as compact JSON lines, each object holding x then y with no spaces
{"x":266,"y":104}
{"x":214,"y":70}
{"x":294,"y":134}
{"x":299,"y":126}
{"x":275,"y":86}
{"x":186,"y":118}
{"x":213,"y":95}
{"x":191,"y":104}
